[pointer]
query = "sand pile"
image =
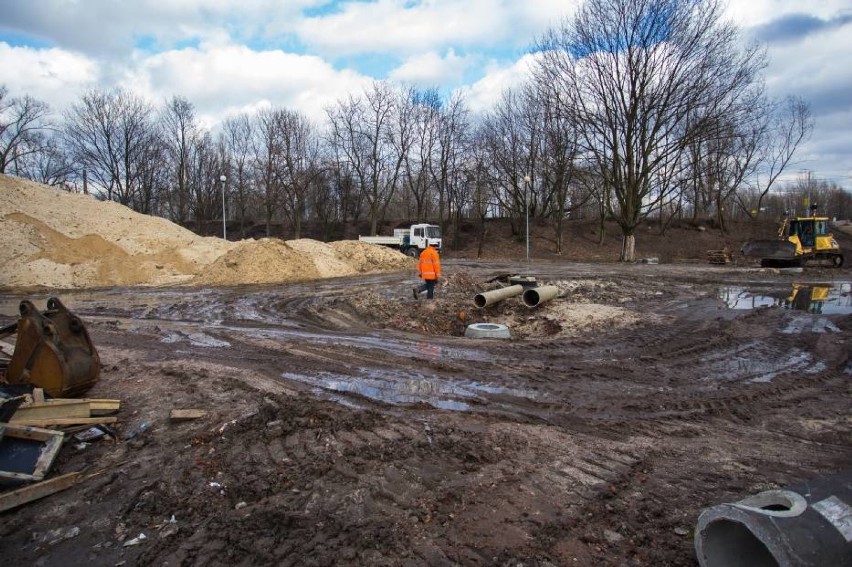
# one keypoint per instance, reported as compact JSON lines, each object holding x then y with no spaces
{"x":60,"y":240}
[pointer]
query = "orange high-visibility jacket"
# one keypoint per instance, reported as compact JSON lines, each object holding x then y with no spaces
{"x":430,"y":264}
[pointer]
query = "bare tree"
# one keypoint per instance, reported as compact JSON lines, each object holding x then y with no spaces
{"x":23,"y":128}
{"x":560,"y":193}
{"x":790,"y":124}
{"x":634,"y":73}
{"x":49,"y":166}
{"x":110,"y":134}
{"x":417,"y":162}
{"x":300,"y":161}
{"x":512,"y":133}
{"x":180,"y":132}
{"x":268,"y":158}
{"x":452,"y":152}
{"x":237,"y":133}
{"x":480,"y":185}
{"x":720,"y":161}
{"x":372,"y":136}
{"x":205,"y":166}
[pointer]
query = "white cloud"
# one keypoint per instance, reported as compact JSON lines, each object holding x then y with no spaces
{"x":106,"y":28}
{"x":431,"y":69}
{"x":484,"y":93}
{"x":221,"y":79}
{"x":403,"y":27}
{"x":755,"y":12}
{"x":54,"y":76}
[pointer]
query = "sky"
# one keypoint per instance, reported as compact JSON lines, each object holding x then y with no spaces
{"x":231,"y":56}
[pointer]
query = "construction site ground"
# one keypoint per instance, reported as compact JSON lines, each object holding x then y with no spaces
{"x":349,"y":423}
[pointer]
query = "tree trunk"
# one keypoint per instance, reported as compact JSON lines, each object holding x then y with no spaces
{"x":483,"y":231}
{"x":628,"y":248}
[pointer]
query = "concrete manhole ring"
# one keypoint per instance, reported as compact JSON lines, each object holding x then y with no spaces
{"x":487,"y":331}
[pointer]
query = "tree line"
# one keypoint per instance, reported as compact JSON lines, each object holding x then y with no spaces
{"x":633,"y":109}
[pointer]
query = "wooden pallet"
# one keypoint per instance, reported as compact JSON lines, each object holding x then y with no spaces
{"x":722,"y":256}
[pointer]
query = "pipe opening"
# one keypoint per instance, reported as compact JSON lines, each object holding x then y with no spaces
{"x":781,"y":503}
{"x":731,"y":544}
{"x":531,"y":298}
{"x":479,"y":300}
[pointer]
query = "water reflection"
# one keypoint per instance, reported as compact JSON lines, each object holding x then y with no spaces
{"x":405,"y":388}
{"x":826,"y":299}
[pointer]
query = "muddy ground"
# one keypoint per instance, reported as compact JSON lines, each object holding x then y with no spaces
{"x":350,"y":424}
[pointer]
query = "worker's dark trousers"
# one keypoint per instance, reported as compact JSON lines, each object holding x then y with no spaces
{"x":429,"y":287}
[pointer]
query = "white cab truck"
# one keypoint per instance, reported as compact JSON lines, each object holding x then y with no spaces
{"x":409,"y":241}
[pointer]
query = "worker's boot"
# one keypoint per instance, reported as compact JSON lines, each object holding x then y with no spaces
{"x":416,"y":293}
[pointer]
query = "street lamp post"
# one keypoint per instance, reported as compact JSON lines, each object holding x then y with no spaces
{"x":527,"y":182}
{"x":223,"y":179}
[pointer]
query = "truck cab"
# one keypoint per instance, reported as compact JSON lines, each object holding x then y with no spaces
{"x":419,"y":237}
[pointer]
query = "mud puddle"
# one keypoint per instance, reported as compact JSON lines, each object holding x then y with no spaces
{"x":826,"y":299}
{"x":404,"y":389}
{"x":752,"y":366}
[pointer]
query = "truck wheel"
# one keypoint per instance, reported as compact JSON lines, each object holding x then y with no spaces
{"x":412,"y":252}
{"x":837,"y":260}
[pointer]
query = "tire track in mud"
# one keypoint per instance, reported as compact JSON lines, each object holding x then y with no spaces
{"x":461,"y":486}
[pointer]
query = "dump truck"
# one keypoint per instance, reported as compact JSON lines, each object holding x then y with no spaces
{"x":409,"y":241}
{"x":800,"y":240}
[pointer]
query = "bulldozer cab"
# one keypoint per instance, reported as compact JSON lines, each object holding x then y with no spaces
{"x":806,"y":230}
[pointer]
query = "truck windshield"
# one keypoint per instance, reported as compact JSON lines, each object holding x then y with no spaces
{"x":433,"y":232}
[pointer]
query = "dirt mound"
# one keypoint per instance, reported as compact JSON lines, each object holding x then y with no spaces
{"x":365,"y":257}
{"x":62,"y":240}
{"x":267,"y":260}
{"x":583,"y":306}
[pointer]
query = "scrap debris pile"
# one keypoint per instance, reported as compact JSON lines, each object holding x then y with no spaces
{"x":52,"y":357}
{"x":51,"y":362}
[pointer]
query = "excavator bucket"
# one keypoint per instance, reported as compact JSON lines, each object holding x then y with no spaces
{"x":769,"y":249}
{"x":53,"y":351}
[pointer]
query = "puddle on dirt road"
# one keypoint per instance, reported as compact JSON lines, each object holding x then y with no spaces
{"x":392,"y":388}
{"x":825,"y":299}
{"x":748,"y":366}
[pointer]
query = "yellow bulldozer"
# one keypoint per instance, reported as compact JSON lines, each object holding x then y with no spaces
{"x":800,"y":240}
{"x":52,"y":351}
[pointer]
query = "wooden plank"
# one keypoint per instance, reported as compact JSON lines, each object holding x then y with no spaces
{"x":34,"y":492}
{"x":67,"y":421}
{"x":103,"y":406}
{"x":52,"y":409}
{"x":186,"y":414}
{"x":28,"y":432}
{"x":48,"y":454}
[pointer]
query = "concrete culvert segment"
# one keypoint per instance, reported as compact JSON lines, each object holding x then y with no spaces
{"x":538,"y":295}
{"x":491,"y":297}
{"x":487,"y":331}
{"x":804,"y":526}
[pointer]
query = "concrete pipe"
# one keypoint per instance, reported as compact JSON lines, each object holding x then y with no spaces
{"x":538,"y":295}
{"x":491,"y":297}
{"x":808,"y":525}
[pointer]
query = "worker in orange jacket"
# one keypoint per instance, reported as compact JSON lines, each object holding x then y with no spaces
{"x":429,"y":269}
